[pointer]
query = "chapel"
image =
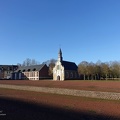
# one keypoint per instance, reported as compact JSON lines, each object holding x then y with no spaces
{"x":64,"y":70}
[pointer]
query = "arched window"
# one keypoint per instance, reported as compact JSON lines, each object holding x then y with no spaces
{"x":75,"y":75}
{"x":71,"y":75}
{"x":67,"y":74}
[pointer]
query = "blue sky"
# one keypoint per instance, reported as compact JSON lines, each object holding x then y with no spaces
{"x":85,"y":29}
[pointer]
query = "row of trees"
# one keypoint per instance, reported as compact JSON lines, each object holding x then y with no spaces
{"x":99,"y":70}
{"x":86,"y":70}
{"x":28,"y":62}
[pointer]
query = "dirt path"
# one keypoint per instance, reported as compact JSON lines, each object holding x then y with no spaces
{"x":83,"y":93}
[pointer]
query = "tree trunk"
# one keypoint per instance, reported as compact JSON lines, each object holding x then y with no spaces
{"x":106,"y":76}
{"x":84,"y":76}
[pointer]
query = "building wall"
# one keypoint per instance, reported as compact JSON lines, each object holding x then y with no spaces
{"x":71,"y":74}
{"x":6,"y":71}
{"x":1,"y":75}
{"x":58,"y":72}
{"x":32,"y":75}
{"x":43,"y":73}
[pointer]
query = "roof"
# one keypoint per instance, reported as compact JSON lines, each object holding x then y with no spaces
{"x":30,"y":68}
{"x":60,"y":51}
{"x":69,"y":65}
{"x":8,"y":67}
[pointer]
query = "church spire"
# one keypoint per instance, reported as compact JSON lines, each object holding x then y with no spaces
{"x":60,"y":58}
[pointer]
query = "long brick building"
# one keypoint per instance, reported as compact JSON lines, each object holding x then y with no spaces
{"x":34,"y":72}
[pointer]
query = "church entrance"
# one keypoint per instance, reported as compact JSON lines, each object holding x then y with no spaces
{"x":58,"y":77}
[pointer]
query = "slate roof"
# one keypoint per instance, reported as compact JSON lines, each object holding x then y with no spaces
{"x":30,"y":68}
{"x":69,"y":65}
{"x":5,"y":67}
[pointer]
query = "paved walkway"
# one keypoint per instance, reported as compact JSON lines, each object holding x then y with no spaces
{"x":83,"y":93}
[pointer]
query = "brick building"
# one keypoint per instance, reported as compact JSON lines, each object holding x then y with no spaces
{"x":34,"y":72}
{"x":7,"y":70}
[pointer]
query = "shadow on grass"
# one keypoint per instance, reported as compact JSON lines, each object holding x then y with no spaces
{"x":11,"y":109}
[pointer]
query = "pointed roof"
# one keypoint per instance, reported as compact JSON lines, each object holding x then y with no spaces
{"x":60,"y":51}
{"x":69,"y":65}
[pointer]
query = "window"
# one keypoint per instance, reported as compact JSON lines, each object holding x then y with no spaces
{"x":71,"y":75}
{"x":33,"y":74}
{"x":75,"y":75}
{"x":37,"y":74}
{"x":67,"y":75}
{"x":8,"y":68}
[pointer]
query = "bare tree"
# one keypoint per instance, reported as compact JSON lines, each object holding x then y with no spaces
{"x":115,"y":69}
{"x":19,"y":64}
{"x":105,"y":70}
{"x":82,"y":69}
{"x":51,"y":66}
{"x":29,"y":62}
{"x":100,"y":70}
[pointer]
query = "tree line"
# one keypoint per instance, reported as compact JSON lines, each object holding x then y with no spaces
{"x":86,"y":70}
{"x":99,"y":70}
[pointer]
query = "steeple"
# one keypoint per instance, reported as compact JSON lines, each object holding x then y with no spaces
{"x":60,"y":58}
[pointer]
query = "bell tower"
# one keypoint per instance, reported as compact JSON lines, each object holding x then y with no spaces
{"x":60,"y":58}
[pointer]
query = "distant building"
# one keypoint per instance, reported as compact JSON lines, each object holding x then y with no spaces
{"x":34,"y":72}
{"x":64,"y":70}
{"x":7,"y":70}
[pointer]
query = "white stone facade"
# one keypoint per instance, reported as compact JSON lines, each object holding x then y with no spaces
{"x":64,"y":70}
{"x":58,"y":72}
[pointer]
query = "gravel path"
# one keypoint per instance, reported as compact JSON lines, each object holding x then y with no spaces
{"x":83,"y":93}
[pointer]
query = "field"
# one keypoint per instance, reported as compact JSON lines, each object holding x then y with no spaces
{"x":109,"y":86}
{"x":26,"y":105}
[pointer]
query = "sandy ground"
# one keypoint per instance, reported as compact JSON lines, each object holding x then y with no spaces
{"x":26,"y":105}
{"x":109,"y":86}
{"x":43,"y":106}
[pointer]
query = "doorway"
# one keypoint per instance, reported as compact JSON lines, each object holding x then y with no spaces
{"x":58,"y":77}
